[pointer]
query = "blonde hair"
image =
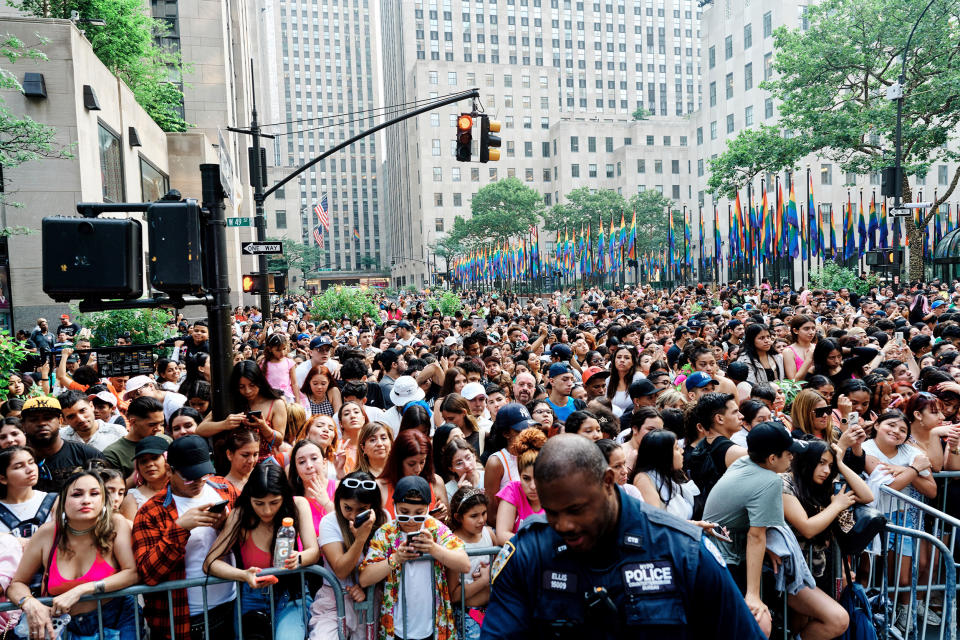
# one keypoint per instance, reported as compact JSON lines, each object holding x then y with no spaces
{"x":670,"y":398}
{"x":296,"y":420}
{"x":801,"y":413}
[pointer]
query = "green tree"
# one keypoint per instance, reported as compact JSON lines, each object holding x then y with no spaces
{"x":499,"y":211}
{"x":831,"y":84}
{"x":146,"y":326}
{"x":653,"y":219}
{"x":584,"y":206}
{"x":336,"y":302}
{"x":306,"y":258}
{"x":835,"y":277}
{"x":12,"y":353}
{"x":127,"y":45}
{"x":369,"y":261}
{"x":640,"y":114}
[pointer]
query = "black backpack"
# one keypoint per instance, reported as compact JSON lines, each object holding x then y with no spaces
{"x":704,"y":470}
{"x":26,"y":528}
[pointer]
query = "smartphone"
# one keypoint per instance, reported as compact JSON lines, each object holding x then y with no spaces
{"x":853,"y":419}
{"x":408,"y":537}
{"x":254,"y":414}
{"x":362,"y":517}
{"x":721,"y":533}
{"x":218,"y":507}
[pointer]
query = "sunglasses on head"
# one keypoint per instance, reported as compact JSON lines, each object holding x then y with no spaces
{"x":416,"y":519}
{"x":354,"y":483}
{"x":822,"y":411}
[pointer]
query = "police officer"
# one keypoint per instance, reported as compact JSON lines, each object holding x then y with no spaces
{"x":604,"y":565}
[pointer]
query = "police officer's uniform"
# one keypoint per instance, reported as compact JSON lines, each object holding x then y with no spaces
{"x":665,"y":581}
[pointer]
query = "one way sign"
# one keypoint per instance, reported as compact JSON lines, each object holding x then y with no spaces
{"x":265,"y":248}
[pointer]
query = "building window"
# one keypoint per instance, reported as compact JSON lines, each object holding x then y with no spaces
{"x":767,"y":66}
{"x":650,"y":141}
{"x":666,"y":141}
{"x":713,"y":94}
{"x":730,"y":123}
{"x":281,"y":219}
{"x":728,"y":83}
{"x":748,"y":76}
{"x":826,"y":174}
{"x":768,"y":108}
{"x":641,"y":166}
{"x":435,"y":147}
{"x":592,"y":144}
{"x":458,"y":199}
{"x":574,"y":171}
{"x":438,"y":174}
{"x":699,"y":135}
{"x":438,"y":199}
{"x":747,"y":36}
{"x":658,"y":166}
{"x":713,"y":130}
{"x":610,"y":173}
{"x":574,"y":144}
{"x":767,"y":24}
{"x":675,"y":166}
{"x":438,"y":224}
{"x":676,"y":192}
{"x":748,"y":116}
{"x":728,"y":47}
{"x":455,"y":174}
{"x":111,"y":165}
{"x":942,"y":174}
{"x":700,"y":167}
{"x":712,"y":57}
{"x":609,"y":145}
{"x":153,"y":184}
{"x":474,"y":174}
{"x":528,"y":174}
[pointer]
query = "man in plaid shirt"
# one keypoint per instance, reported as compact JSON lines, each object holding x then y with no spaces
{"x":172,"y":533}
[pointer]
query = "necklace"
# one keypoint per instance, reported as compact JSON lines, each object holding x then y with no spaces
{"x":80,"y":532}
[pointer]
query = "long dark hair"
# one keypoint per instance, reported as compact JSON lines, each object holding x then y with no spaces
{"x":248,"y":369}
{"x":293,"y":476}
{"x":813,"y":498}
{"x":193,"y":362}
{"x":267,"y":479}
{"x":6,"y":458}
{"x":656,"y":454}
{"x":820,"y":354}
{"x":614,"y":381}
{"x":408,"y":443}
{"x":749,"y":337}
{"x":363,"y":496}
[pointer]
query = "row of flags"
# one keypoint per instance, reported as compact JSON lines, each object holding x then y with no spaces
{"x":323,"y":217}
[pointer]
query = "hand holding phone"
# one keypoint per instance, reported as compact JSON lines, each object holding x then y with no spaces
{"x":361,"y":518}
{"x":218,"y":507}
{"x":252,"y":416}
{"x":721,"y":533}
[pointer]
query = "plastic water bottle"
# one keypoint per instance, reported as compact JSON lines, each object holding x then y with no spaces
{"x":285,"y":544}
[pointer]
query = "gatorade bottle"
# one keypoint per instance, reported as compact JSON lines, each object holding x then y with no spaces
{"x":286,"y":542}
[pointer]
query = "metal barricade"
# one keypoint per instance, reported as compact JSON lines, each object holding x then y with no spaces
{"x":925,"y":538}
{"x":204,"y":583}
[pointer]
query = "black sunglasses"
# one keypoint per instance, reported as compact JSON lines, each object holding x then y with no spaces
{"x":822,"y":411}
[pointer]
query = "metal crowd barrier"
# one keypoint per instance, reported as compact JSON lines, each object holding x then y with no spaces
{"x":205,"y":582}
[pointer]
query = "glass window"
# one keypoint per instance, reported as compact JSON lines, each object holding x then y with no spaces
{"x":458,"y":199}
{"x":153,"y":184}
{"x":712,"y":57}
{"x":641,"y":166}
{"x":438,"y":224}
{"x":728,"y":47}
{"x":767,"y":66}
{"x":111,"y":166}
{"x":281,"y":219}
{"x":826,"y":174}
{"x":438,"y":199}
{"x":748,"y":116}
{"x":455,"y":174}
{"x":438,"y":174}
{"x":942,"y":174}
{"x":699,"y":135}
{"x":729,"y":85}
{"x":592,"y":144}
{"x":609,"y":145}
{"x":675,"y":166}
{"x":767,"y":24}
{"x":713,"y":94}
{"x":658,"y":166}
{"x":610,"y":173}
{"x":435,"y":146}
{"x":747,"y":36}
{"x":730,"y":123}
{"x":574,"y":144}
{"x":713,"y":130}
{"x":768,"y":108}
{"x":574,"y":171}
{"x":591,"y":171}
{"x":748,"y":76}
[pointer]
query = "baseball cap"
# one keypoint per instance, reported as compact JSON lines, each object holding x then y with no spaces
{"x":190,"y":456}
{"x":65,"y":316}
{"x":151,"y":444}
{"x":415,"y":485}
{"x":405,"y":390}
{"x":134,"y":384}
{"x":937,"y":304}
{"x":641,"y":388}
{"x":472,"y":390}
{"x":590,"y":372}
{"x":772,"y":438}
{"x":41,"y":403}
{"x":698,"y":380}
{"x":302,"y":336}
{"x":104,"y":396}
{"x":558,"y":369}
{"x":514,"y":416}
{"x":449,"y":341}
{"x":561,"y":351}
{"x":493,"y":336}
{"x":403,"y":324}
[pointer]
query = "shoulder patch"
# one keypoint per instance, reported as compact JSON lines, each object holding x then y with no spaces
{"x":506,"y":552}
{"x":661,"y":517}
{"x":712,"y":548}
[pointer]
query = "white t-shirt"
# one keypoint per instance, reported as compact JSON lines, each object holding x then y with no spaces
{"x":330,"y":533}
{"x":417,"y":586}
{"x":106,"y":434}
{"x":304,"y":368}
{"x":24,"y":510}
{"x":171,"y":402}
{"x":198,"y":545}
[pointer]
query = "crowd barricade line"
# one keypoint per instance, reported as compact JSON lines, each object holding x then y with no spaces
{"x":204,"y":582}
{"x":928,"y":544}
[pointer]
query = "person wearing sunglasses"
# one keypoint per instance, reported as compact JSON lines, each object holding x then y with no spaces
{"x":412,"y":607}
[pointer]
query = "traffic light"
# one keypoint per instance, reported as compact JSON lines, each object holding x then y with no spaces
{"x":464,"y":137}
{"x":255,"y":283}
{"x":173,"y":231}
{"x":489,"y":144}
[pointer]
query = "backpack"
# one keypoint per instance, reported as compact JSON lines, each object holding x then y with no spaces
{"x":704,"y":470}
{"x":26,"y":528}
{"x":854,"y":599}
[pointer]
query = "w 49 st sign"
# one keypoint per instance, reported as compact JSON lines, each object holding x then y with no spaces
{"x":261,"y":248}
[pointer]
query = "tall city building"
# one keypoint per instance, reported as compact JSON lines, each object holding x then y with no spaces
{"x":325,"y":80}
{"x":556,"y":73}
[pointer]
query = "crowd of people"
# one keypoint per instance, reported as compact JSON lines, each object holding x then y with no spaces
{"x":760,"y":416}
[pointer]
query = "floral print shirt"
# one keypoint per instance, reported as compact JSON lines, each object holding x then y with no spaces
{"x":384,"y":544}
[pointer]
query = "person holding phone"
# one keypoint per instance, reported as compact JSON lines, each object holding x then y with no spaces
{"x":345,"y":536}
{"x":424,"y":610}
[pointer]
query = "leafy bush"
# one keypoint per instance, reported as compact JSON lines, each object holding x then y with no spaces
{"x":12,"y":353}
{"x":835,"y":277}
{"x":146,"y":326}
{"x":336,"y":302}
{"x":448,"y":303}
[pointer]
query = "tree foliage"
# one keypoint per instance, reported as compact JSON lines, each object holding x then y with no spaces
{"x":337,"y":302}
{"x":653,"y":218}
{"x":146,"y":326}
{"x":127,"y":45}
{"x":448,"y":303}
{"x":834,"y":277}
{"x":306,"y":258}
{"x":12,"y":353}
{"x":831,"y":87}
{"x":499,"y":211}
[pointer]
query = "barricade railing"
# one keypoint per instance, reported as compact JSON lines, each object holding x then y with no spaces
{"x":204,"y":583}
{"x":926,"y":538}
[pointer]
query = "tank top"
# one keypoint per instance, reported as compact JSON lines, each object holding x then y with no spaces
{"x":57,"y":584}
{"x":278,"y":375}
{"x":253,"y":556}
{"x":509,"y":463}
{"x":485,"y":542}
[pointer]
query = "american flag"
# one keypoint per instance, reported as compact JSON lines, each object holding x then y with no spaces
{"x":321,"y":211}
{"x":318,"y":236}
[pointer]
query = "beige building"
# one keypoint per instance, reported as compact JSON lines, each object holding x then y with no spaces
{"x":118,"y":152}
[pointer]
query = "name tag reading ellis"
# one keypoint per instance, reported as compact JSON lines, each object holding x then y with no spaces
{"x":649,"y":577}
{"x":560,"y":581}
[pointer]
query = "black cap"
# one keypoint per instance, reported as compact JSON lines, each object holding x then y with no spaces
{"x":415,"y":485}
{"x":190,"y":457}
{"x":772,"y":438}
{"x":561,"y":352}
{"x":641,"y":388}
{"x":513,"y":416}
{"x":151,"y":444}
